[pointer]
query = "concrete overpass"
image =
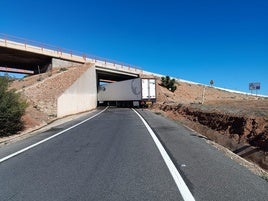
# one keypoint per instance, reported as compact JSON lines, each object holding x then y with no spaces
{"x":34,"y":57}
{"x":30,"y":57}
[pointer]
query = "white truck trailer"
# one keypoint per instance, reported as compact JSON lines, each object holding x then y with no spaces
{"x":138,"y":92}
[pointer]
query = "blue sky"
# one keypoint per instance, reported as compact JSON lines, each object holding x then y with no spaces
{"x":223,"y":40}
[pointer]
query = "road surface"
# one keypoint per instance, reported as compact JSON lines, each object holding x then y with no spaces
{"x":112,"y":156}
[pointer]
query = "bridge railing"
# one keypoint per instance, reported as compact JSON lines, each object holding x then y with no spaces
{"x":101,"y":62}
{"x":50,"y":50}
{"x":34,"y":46}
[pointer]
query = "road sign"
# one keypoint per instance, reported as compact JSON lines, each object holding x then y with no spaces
{"x":254,"y":86}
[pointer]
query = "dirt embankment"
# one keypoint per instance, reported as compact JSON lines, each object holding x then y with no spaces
{"x":41,"y":92}
{"x":252,"y":130}
{"x":238,"y":122}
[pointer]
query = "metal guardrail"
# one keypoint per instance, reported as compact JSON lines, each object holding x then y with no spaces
{"x":34,"y":46}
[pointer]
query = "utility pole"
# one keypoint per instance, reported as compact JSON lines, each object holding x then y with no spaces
{"x":203,"y":95}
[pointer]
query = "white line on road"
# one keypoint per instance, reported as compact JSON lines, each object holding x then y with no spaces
{"x":184,"y":190}
{"x":49,"y":138}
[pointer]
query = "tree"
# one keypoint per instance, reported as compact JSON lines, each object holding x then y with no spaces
{"x":168,"y":83}
{"x":11,"y":109}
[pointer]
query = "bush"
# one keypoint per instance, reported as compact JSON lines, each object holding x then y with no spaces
{"x":11,"y":109}
{"x":168,"y":83}
{"x":62,"y":69}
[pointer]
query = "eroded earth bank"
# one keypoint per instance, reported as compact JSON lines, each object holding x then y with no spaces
{"x":236,"y":121}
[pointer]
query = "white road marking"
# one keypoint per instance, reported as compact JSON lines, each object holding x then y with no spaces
{"x":189,"y":128}
{"x":184,"y":190}
{"x":49,"y":138}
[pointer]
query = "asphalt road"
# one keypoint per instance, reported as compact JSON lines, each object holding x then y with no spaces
{"x":113,"y":157}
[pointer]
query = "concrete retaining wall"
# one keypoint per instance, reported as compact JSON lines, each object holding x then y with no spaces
{"x":80,"y":97}
{"x":59,"y":63}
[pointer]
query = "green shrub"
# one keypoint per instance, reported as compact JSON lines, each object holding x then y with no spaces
{"x":62,"y":69}
{"x":11,"y":109}
{"x":168,"y":83}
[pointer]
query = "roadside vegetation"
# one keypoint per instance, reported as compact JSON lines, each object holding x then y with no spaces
{"x":265,"y":177}
{"x":168,"y":83}
{"x":12,"y":108}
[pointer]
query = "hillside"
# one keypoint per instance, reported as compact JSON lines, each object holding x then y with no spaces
{"x":236,"y":121}
{"x":42,"y":91}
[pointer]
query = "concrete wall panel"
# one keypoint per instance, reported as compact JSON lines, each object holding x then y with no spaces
{"x":59,"y":63}
{"x":80,"y":97}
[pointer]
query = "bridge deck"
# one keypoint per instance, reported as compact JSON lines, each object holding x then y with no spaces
{"x":53,"y":52}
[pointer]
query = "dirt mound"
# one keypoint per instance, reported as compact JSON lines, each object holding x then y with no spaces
{"x":236,"y":121}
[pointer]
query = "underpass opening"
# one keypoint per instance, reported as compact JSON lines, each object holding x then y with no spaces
{"x":105,"y":77}
{"x":23,"y":62}
{"x":131,"y":92}
{"x":109,"y":76}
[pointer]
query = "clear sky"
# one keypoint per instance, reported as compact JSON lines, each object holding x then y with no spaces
{"x":195,"y":40}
